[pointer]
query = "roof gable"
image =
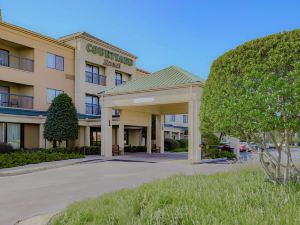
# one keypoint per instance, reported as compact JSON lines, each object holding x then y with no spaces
{"x":169,"y":77}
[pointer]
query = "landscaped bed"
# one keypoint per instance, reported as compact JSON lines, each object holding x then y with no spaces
{"x":241,"y":197}
{"x":21,"y":158}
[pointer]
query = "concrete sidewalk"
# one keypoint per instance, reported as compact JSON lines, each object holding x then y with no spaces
{"x":30,"y":168}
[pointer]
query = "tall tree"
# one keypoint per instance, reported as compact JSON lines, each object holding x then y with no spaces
{"x":253,"y":93}
{"x":62,"y":121}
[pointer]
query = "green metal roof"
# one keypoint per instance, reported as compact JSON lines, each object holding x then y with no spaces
{"x":165,"y":78}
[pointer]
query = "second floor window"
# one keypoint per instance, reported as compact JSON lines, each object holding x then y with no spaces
{"x":118,"y":79}
{"x":185,"y":119}
{"x":94,"y":75}
{"x":55,"y":62}
{"x":92,"y":105}
{"x":52,"y":93}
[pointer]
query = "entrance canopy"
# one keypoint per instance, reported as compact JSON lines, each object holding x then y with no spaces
{"x":168,"y":91}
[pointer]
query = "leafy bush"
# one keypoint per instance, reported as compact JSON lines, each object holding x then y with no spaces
{"x":135,"y":148}
{"x":209,"y":140}
{"x":216,"y":153}
{"x":5,"y":148}
{"x":22,"y":158}
{"x":183,"y":143}
{"x":171,"y":144}
{"x":90,"y":150}
{"x":180,"y":149}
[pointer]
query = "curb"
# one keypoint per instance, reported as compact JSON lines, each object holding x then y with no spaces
{"x":37,"y":220}
{"x":37,"y":169}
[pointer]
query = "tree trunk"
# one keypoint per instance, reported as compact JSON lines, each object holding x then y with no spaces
{"x":288,"y":157}
{"x":278,"y":166}
{"x":54,"y":144}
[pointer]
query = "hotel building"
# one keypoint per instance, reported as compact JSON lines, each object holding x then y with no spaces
{"x":34,"y":69}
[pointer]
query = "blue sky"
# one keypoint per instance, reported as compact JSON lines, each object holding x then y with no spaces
{"x":186,"y":33}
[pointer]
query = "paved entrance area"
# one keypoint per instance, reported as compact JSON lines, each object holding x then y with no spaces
{"x":48,"y":191}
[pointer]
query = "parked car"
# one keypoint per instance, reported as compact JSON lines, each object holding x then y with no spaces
{"x":270,"y":146}
{"x":252,"y":146}
{"x":225,"y":147}
{"x":243,"y":148}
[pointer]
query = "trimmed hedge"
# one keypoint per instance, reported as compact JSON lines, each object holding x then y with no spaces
{"x":216,"y":153}
{"x":171,"y":144}
{"x":135,"y":149}
{"x":22,"y":158}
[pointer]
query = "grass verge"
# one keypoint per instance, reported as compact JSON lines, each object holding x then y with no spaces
{"x":241,"y":197}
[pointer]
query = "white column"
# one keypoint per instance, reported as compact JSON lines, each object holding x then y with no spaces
{"x":149,"y":141}
{"x":106,"y":131}
{"x":162,"y":133}
{"x":42,"y":140}
{"x":87,"y":136}
{"x":194,"y":137}
{"x":121,"y":137}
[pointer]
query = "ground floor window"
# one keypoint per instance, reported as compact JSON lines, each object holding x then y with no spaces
{"x":95,"y":136}
{"x":11,"y":133}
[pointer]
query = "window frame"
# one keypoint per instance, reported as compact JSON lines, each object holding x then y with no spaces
{"x":55,"y":62}
{"x":185,"y":119}
{"x":118,"y":74}
{"x":56,"y":90}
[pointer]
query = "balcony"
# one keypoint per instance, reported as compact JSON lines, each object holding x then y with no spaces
{"x":92,"y":109}
{"x":16,"y":62}
{"x":17,"y":56}
{"x":16,"y":101}
{"x":95,"y":78}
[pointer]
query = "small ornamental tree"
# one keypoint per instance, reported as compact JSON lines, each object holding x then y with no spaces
{"x":62,"y":121}
{"x":253,"y":93}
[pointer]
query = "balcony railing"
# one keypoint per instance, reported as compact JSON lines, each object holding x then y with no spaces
{"x":119,"y":82}
{"x":95,"y":78}
{"x":16,"y":62}
{"x":92,"y":109}
{"x":16,"y":101}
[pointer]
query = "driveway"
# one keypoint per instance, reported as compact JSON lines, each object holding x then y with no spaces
{"x":24,"y":196}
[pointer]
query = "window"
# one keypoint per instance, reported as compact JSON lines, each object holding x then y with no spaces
{"x":52,"y":93}
{"x":55,"y":62}
{"x":185,"y":119}
{"x":92,"y":105}
{"x":14,"y":135}
{"x":94,"y":74}
{"x":4,"y":96}
{"x":173,"y":118}
{"x":118,"y":79}
{"x":4,"y":57}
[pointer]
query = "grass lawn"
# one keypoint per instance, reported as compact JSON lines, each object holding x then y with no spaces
{"x":239,"y":198}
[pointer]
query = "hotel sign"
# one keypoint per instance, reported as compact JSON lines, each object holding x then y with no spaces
{"x":109,"y":56}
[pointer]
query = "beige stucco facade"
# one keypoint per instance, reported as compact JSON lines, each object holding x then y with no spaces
{"x":90,"y":68}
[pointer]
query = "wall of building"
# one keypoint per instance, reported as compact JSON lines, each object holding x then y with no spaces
{"x":82,"y":58}
{"x":36,"y":47}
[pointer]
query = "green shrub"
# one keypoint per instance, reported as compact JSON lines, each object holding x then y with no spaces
{"x":171,"y":144}
{"x":216,"y":153}
{"x":183,"y":143}
{"x":135,"y":148}
{"x":90,"y":150}
{"x":228,"y":155}
{"x":180,"y":149}
{"x":22,"y":158}
{"x":210,"y":140}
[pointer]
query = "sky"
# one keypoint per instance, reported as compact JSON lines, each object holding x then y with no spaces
{"x":188,"y":33}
